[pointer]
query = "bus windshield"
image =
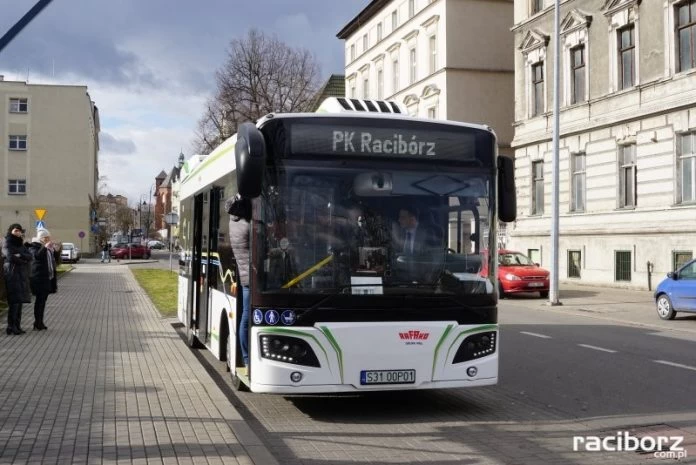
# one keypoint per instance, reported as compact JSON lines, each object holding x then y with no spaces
{"x":339,"y":230}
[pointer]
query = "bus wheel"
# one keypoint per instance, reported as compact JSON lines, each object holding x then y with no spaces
{"x":237,"y":383}
{"x":192,"y":340}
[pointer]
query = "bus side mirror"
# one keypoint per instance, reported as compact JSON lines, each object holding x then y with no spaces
{"x":507,"y":197}
{"x":250,"y":156}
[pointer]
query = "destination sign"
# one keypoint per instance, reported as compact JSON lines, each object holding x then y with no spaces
{"x":404,"y":142}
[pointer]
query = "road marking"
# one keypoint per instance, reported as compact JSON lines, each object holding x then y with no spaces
{"x":672,"y":364}
{"x":543,"y":336}
{"x":597,"y":348}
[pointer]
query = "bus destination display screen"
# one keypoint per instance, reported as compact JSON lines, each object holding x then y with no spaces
{"x":403,"y":142}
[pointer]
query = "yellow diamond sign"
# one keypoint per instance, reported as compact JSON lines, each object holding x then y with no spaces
{"x":40,"y":212}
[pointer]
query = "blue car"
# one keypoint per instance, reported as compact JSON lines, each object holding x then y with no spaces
{"x":677,"y":292}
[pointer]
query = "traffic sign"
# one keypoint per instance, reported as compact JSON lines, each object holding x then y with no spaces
{"x":40,"y":225}
{"x":40,"y":212}
{"x":81,"y":234}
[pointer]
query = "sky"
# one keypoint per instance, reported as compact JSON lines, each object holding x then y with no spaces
{"x":149,"y":65}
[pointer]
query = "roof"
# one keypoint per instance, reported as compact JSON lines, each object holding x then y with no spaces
{"x":374,"y":7}
{"x":335,"y":86}
{"x":162,"y":175}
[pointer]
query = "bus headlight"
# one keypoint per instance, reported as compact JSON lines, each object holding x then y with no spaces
{"x":476,"y":346}
{"x":287,"y":349}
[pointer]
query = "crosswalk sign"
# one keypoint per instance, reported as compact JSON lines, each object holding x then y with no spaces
{"x":40,"y":225}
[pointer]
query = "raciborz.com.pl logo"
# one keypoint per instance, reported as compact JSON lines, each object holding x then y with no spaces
{"x":665,"y":447}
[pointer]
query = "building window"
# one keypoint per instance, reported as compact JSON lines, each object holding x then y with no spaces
{"x":687,"y":167}
{"x":19,"y":105}
{"x":538,"y":88}
{"x":395,"y":20}
{"x":433,"y":53}
{"x":537,"y":6}
{"x":352,"y":89}
{"x":680,"y":258}
{"x":379,"y":31}
{"x":538,"y":188}
{"x":627,"y":57}
{"x":577,"y":56}
{"x":17,"y":187}
{"x":627,"y":173}
{"x":686,"y":30}
{"x":18,"y":143}
{"x":380,"y":84}
{"x":352,"y":52}
{"x":366,"y":88}
{"x":622,"y":265}
{"x":412,"y":65}
{"x":395,"y":75}
{"x":578,"y":182}
{"x":432,"y":112}
{"x":574,"y":257}
{"x":411,"y":8}
{"x":365,"y":42}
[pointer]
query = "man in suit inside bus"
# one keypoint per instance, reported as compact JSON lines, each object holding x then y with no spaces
{"x":414,"y":236}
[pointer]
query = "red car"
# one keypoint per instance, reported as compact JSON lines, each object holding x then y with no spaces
{"x":125,"y":251}
{"x":517,"y":273}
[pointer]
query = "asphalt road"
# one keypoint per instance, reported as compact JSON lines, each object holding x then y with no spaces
{"x":562,"y":374}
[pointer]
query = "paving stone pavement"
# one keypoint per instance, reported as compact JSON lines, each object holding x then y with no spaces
{"x":111,"y":381}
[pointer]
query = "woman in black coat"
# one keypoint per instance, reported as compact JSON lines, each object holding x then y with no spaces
{"x":17,"y":259}
{"x":43,"y":274}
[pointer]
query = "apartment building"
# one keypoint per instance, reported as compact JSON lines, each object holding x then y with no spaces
{"x":446,"y":59}
{"x":109,"y":212}
{"x":627,"y":159}
{"x":49,"y":154}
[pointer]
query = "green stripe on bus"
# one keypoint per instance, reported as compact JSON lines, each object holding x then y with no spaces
{"x":207,"y":162}
{"x":439,"y":343}
{"x":337,"y":348}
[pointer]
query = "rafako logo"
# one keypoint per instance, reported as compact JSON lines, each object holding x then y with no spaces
{"x":414,"y":337}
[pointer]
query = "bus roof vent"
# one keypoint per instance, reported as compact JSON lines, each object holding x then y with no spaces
{"x":342,"y":105}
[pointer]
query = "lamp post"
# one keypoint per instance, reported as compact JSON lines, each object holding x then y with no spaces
{"x":148,"y":217}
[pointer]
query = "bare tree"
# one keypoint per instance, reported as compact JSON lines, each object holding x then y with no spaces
{"x":124,"y":218}
{"x":261,"y":75}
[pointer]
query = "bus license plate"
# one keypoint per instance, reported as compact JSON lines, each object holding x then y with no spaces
{"x":387,"y":377}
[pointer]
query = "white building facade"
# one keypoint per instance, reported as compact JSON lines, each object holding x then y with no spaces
{"x":443,"y":59}
{"x":627,"y":159}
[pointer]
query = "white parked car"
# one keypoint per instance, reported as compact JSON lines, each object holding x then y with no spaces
{"x":70,"y":252}
{"x":156,"y":245}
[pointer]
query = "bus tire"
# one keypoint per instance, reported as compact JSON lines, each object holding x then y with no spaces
{"x":237,"y":383}
{"x":224,"y":337}
{"x":192,"y":340}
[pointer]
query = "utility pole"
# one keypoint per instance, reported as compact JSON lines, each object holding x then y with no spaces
{"x":553,"y":288}
{"x":21,"y":24}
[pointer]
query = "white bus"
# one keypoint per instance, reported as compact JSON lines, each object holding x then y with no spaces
{"x":341,"y":301}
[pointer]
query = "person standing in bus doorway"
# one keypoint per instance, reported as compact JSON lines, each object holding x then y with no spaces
{"x":44,"y":279}
{"x":240,"y":217}
{"x":17,"y":259}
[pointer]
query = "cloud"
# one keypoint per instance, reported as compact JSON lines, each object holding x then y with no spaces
{"x":150,"y":65}
{"x":110,"y":144}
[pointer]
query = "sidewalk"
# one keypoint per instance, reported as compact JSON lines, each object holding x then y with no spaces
{"x":624,"y":306}
{"x":112,"y":382}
